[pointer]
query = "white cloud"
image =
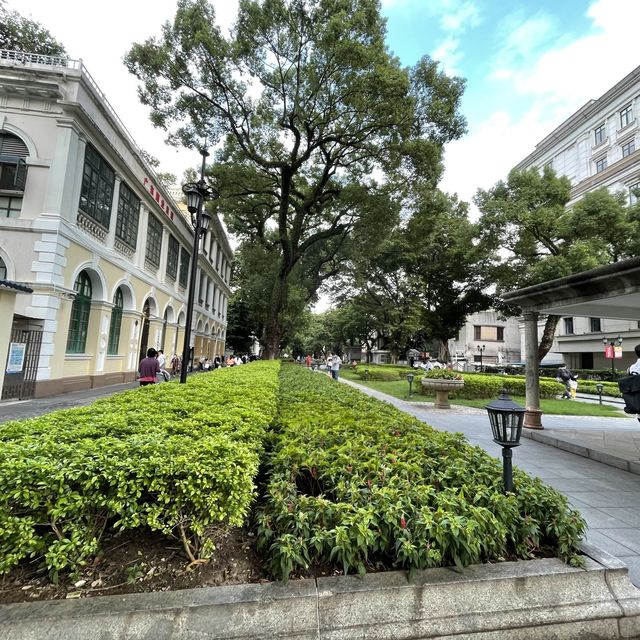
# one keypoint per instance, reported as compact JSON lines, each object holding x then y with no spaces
{"x":556,"y":82}
{"x":460,"y":16}
{"x":449,"y":54}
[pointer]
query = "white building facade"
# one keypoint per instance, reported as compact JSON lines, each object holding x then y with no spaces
{"x":486,"y":340}
{"x":86,"y":225}
{"x":598,"y":146}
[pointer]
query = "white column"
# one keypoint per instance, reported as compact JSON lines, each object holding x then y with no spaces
{"x":533,"y":415}
{"x":141,"y":245}
{"x":114,"y":212}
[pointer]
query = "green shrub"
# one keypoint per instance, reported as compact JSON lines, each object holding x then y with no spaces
{"x":353,"y":482}
{"x":174,"y":458}
{"x":488,"y":386}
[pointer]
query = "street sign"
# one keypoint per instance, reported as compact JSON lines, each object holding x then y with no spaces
{"x":618,"y":351}
{"x":609,"y":352}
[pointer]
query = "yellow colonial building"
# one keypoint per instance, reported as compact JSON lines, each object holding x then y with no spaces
{"x":97,"y":249}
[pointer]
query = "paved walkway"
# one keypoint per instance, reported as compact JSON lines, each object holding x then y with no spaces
{"x":607,"y":497}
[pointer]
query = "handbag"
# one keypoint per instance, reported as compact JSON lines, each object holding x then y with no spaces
{"x":630,"y":389}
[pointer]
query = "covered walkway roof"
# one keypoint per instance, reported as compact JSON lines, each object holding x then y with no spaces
{"x":612,"y":291}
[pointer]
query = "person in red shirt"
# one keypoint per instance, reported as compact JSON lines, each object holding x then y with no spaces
{"x":308,"y":361}
{"x":149,"y":368}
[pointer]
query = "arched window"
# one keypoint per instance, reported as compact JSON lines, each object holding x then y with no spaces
{"x":80,"y":310}
{"x":3,"y":270}
{"x":13,"y":174}
{"x":116,"y":323}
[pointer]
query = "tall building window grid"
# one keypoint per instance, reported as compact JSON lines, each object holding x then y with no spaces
{"x":183,"y":275}
{"x":128,"y":216}
{"x":80,"y":311}
{"x":628,"y":148}
{"x":595,"y":325}
{"x":10,"y":206}
{"x":116,"y":323}
{"x":568,"y":326}
{"x":626,"y":116}
{"x":96,"y":193}
{"x":599,"y":135}
{"x":173,"y":255}
{"x":601,"y":164}
{"x":154,"y":241}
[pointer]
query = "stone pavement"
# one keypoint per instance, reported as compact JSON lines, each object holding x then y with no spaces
{"x":607,"y":497}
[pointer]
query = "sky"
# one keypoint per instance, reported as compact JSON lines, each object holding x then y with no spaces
{"x":528,"y":65}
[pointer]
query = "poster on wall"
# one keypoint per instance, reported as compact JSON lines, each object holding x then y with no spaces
{"x":15,"y":361}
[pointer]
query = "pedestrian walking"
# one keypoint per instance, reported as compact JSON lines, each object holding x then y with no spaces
{"x":162,"y":361}
{"x":335,"y":366}
{"x":148,"y":368}
{"x":563,"y":376}
{"x":308,"y":360}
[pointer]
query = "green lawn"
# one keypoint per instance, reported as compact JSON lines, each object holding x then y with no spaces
{"x":400,"y":389}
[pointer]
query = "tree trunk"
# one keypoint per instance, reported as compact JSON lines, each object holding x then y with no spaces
{"x":273,"y":328}
{"x":547,"y":336}
{"x":443,"y":350}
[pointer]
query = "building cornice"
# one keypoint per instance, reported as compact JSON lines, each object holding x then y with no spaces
{"x":576,"y":121}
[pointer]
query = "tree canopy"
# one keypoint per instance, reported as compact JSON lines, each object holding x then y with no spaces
{"x":323,"y":132}
{"x":18,"y":33}
{"x":542,"y":238}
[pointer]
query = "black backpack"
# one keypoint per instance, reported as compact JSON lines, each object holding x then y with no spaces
{"x":630,"y":388}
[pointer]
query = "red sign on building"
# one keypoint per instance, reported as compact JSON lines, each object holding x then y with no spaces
{"x":155,"y":194}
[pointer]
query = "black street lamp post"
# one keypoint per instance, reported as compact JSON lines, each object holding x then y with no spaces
{"x":599,"y":388}
{"x":506,"y":418}
{"x":197,"y":193}
{"x":612,"y":344}
{"x":410,"y":377}
{"x":481,"y":350}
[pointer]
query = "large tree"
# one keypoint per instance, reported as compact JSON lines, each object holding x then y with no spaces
{"x":527,"y":219}
{"x":309,"y":104}
{"x":18,"y":33}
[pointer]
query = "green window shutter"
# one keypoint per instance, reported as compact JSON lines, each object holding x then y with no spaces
{"x":80,"y":311}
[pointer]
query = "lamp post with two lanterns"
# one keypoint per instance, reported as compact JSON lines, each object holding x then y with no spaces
{"x":197,"y":194}
{"x":610,"y":352}
{"x":481,"y":349}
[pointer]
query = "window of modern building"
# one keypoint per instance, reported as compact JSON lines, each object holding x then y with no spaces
{"x":154,"y":241}
{"x":183,"y":276}
{"x":628,"y":148}
{"x":13,"y":174}
{"x":595,"y":325}
{"x":568,"y":326}
{"x":488,"y":333}
{"x":116,"y":323}
{"x":3,"y":270}
{"x":601,"y":165}
{"x":599,"y":135}
{"x":626,"y":116}
{"x":634,"y":193}
{"x":96,"y":193}
{"x":80,"y":310}
{"x":128,"y":216}
{"x":173,"y":255}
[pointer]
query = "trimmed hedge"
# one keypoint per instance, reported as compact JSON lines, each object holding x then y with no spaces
{"x":355,"y":483}
{"x":170,"y":457}
{"x":478,"y":385}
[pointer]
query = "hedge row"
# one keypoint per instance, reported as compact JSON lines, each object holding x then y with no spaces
{"x":354,"y":483}
{"x":174,"y":458}
{"x":478,"y":385}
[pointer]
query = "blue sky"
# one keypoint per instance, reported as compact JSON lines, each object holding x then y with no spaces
{"x":529,"y":65}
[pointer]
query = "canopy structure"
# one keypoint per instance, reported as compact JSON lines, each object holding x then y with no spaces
{"x":612,"y":291}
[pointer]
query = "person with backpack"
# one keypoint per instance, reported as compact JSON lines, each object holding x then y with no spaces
{"x":563,"y":376}
{"x":629,"y":385}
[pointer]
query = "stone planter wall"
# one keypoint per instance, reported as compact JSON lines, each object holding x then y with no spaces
{"x":528,"y":600}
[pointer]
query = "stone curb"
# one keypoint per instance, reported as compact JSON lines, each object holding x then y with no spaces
{"x":526,"y":600}
{"x":631,"y":466}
